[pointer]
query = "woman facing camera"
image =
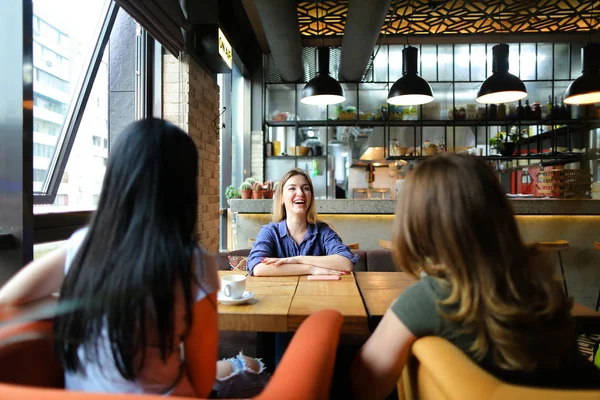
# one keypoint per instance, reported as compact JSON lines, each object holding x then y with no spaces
{"x":480,"y":288}
{"x":296,"y":242}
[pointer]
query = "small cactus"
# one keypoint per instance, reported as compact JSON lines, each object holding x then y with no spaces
{"x":257,"y":186}
{"x":245,"y":186}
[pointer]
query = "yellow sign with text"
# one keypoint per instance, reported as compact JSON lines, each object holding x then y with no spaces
{"x":225,"y":49}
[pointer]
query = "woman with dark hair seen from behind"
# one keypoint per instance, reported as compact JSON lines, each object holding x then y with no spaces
{"x":481,"y":288}
{"x":133,"y":284}
{"x":296,"y":242}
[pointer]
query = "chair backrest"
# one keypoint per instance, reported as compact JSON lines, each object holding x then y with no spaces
{"x":353,"y":246}
{"x":27,"y":355}
{"x":439,"y":370}
{"x":306,"y":369}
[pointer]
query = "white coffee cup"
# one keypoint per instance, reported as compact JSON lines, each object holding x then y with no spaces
{"x":233,"y":286}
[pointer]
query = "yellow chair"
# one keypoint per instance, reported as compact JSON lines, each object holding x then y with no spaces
{"x":439,"y":370}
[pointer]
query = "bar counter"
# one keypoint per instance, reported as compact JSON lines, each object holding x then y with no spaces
{"x":521,"y":206}
{"x":366,"y":221}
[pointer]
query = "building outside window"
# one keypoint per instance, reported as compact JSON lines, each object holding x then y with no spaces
{"x":61,"y":53}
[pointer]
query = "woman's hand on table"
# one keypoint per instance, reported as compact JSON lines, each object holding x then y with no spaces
{"x":324,"y":271}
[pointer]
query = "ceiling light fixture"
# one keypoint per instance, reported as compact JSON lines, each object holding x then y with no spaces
{"x":586,"y":88}
{"x":502,"y":86}
{"x":322,"y":89}
{"x":410,"y":89}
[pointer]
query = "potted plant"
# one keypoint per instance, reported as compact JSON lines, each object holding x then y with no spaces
{"x":257,"y":190}
{"x":268,"y":190}
{"x":231,"y":192}
{"x":246,"y":190}
{"x":251,"y":180}
{"x":505,"y":144}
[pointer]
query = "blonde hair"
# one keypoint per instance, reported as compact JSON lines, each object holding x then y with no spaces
{"x":279,"y":213}
{"x":453,"y":221}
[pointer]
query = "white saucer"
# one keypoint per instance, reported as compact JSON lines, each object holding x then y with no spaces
{"x":233,"y":302}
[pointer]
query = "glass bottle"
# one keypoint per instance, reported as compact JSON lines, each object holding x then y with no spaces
{"x":520,"y":111}
{"x":268,"y":148}
{"x":549,"y":107}
{"x":501,"y":114}
{"x":527,"y":110}
{"x":492,"y":112}
{"x":536,"y":111}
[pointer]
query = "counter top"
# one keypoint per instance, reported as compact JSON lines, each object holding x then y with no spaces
{"x":350,"y":206}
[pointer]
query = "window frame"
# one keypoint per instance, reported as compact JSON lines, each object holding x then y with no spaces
{"x":76,"y":111}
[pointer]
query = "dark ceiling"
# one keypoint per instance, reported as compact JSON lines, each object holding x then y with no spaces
{"x":445,"y":18}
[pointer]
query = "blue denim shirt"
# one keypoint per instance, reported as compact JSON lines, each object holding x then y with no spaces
{"x":273,"y":240}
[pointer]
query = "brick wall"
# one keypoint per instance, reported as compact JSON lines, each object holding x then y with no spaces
{"x":191,"y":100}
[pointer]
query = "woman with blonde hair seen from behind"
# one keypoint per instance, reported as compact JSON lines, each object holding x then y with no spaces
{"x":481,"y":288}
{"x":296,"y":242}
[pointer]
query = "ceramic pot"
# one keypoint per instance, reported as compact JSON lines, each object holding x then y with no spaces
{"x":246,"y":194}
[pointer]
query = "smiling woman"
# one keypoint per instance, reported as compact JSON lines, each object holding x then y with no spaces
{"x":296,"y":242}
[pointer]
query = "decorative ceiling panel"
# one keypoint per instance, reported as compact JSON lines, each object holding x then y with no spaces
{"x":422,"y":17}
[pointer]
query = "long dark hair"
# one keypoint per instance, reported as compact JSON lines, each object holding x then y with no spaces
{"x":453,"y":221}
{"x":138,"y":251}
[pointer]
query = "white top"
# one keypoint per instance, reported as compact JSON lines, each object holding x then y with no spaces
{"x":155,"y":377}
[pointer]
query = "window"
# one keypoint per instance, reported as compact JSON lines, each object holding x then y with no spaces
{"x":43,"y":150}
{"x":53,"y":81}
{"x":58,"y":70}
{"x":83,"y":131}
{"x":45,"y":127}
{"x":61,"y":200}
{"x":39,"y":175}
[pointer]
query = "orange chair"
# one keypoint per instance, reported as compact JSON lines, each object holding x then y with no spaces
{"x":29,"y":369}
{"x":353,"y":246}
{"x":439,"y":370}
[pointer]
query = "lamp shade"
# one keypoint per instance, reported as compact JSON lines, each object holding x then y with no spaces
{"x":502,"y":86}
{"x":323,"y":89}
{"x":586,"y":88}
{"x":410,"y":89}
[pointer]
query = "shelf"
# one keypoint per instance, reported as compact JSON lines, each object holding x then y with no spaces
{"x":571,"y":157}
{"x":592,"y":123}
{"x":286,"y":157}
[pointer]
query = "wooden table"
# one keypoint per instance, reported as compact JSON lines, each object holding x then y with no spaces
{"x":380,"y":289}
{"x":342,"y":295}
{"x":267,"y":311}
{"x":282,"y":303}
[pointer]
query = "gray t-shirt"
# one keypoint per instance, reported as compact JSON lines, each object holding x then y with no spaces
{"x":419,"y":309}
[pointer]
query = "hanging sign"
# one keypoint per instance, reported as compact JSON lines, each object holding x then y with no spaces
{"x":225,"y":49}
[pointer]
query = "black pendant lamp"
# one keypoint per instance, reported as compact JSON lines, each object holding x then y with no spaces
{"x":410,"y":89}
{"x":323,"y":89}
{"x":502,"y":86}
{"x":586,"y":88}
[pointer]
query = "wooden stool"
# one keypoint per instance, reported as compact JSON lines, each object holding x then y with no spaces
{"x":361,"y":191}
{"x":558,"y":246}
{"x":385,"y":244}
{"x":597,"y":247}
{"x":381,"y":192}
{"x":353,"y":246}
